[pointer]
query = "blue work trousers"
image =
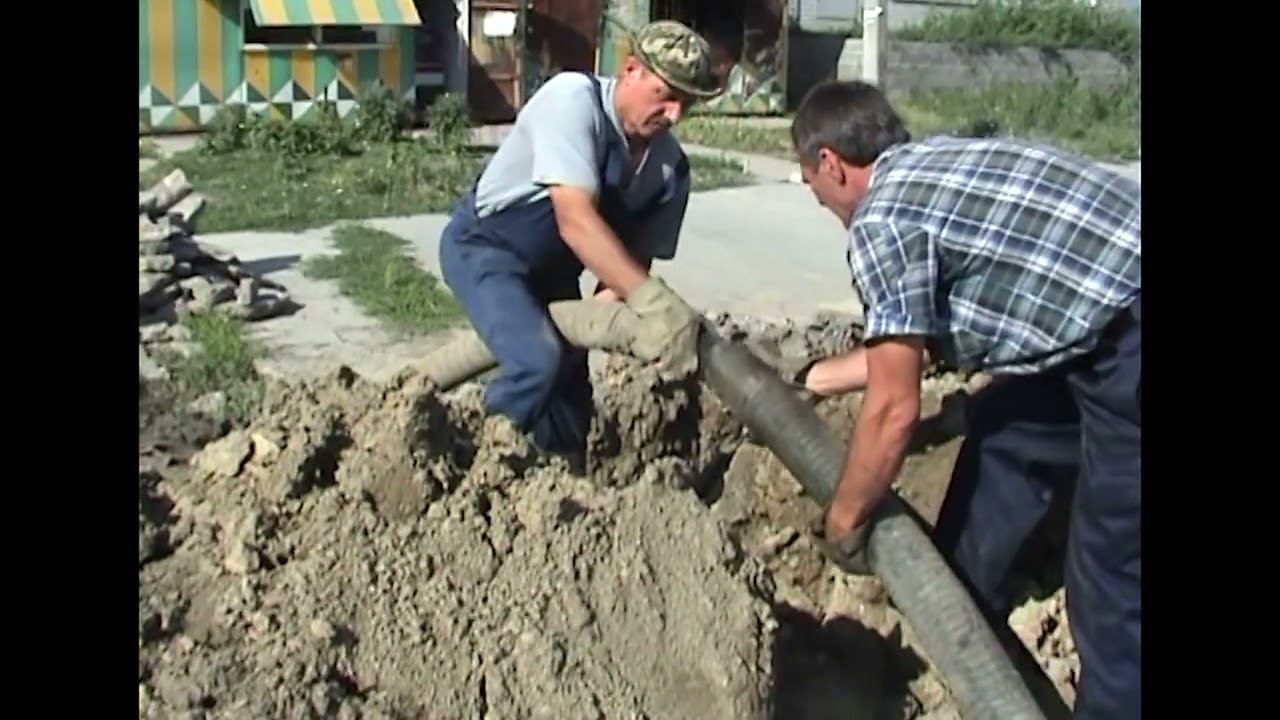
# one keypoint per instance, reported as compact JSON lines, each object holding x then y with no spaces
{"x":542,"y":383}
{"x":1081,"y":421}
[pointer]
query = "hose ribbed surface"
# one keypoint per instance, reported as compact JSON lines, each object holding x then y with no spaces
{"x":950,"y":627}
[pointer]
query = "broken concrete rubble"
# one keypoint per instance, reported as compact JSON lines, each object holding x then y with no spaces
{"x":148,"y":368}
{"x":165,"y":194}
{"x":184,"y":212}
{"x":177,"y":275}
{"x":210,"y":404}
{"x":155,"y":263}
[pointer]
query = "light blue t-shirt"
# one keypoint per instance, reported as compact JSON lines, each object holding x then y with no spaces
{"x":560,"y":137}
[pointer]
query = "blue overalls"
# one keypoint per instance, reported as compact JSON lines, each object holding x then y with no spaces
{"x":505,"y":268}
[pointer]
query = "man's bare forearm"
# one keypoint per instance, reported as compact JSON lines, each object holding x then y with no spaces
{"x":886,"y":421}
{"x":876,"y":452}
{"x":838,"y":374}
{"x":595,"y":243}
{"x":600,"y":250}
{"x":842,"y":373}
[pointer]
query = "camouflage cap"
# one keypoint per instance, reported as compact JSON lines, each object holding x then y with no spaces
{"x":678,"y":55}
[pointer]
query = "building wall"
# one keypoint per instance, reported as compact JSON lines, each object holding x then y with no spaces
{"x":920,"y":65}
{"x":288,"y":82}
{"x":190,"y":63}
{"x":193,"y":62}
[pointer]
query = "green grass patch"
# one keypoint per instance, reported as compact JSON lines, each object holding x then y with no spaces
{"x":734,"y":134}
{"x":253,"y":189}
{"x":222,"y":361}
{"x":374,"y":271}
{"x":147,"y":148}
{"x":1102,"y":123}
{"x":249,"y":189}
{"x":1057,"y":24}
{"x":710,"y":172}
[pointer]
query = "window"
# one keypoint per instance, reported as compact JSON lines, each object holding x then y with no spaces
{"x":348,"y":35}
{"x":354,"y":35}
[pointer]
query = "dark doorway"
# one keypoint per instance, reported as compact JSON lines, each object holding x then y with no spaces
{"x":721,"y":22}
{"x":494,"y":89}
{"x":433,"y":47}
{"x":562,"y":34}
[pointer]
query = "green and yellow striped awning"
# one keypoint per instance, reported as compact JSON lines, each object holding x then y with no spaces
{"x":334,"y":12}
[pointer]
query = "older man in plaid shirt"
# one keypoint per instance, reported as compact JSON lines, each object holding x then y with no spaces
{"x":1023,"y":261}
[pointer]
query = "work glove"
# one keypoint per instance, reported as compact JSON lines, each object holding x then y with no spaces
{"x":849,"y":553}
{"x":668,"y":329}
{"x":950,"y":422}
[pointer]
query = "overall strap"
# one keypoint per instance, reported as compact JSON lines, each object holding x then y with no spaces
{"x":598,"y":92}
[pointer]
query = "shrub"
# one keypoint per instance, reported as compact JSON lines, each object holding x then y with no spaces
{"x":380,"y":116}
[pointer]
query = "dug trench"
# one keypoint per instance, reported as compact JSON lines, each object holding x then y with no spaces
{"x":389,"y":551}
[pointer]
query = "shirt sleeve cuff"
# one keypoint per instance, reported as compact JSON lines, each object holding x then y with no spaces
{"x":548,"y":181}
{"x":893,"y":323}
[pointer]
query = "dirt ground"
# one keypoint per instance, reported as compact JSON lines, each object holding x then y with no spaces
{"x":387,"y":551}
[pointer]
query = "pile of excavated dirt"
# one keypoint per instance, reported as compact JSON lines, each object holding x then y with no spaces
{"x":388,"y":551}
{"x":364,"y":551}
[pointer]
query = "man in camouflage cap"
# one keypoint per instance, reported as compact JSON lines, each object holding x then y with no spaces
{"x":589,"y":178}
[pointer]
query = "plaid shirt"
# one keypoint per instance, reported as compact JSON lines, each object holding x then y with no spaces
{"x":1011,"y":256}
